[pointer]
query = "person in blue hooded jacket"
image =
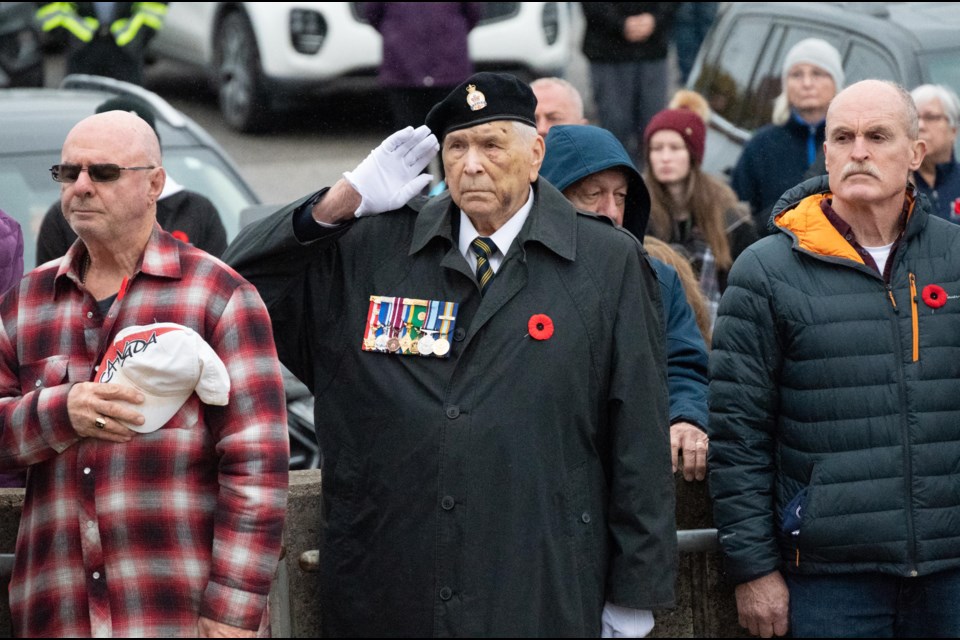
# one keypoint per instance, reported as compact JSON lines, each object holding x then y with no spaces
{"x":594,"y":171}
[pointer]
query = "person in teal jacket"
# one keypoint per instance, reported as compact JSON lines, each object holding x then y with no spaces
{"x":833,"y":395}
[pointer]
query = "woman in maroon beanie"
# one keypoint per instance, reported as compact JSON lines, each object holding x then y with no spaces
{"x":694,"y":212}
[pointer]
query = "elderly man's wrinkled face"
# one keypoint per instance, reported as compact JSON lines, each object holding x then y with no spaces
{"x":489,"y":169}
{"x":111,"y":210}
{"x":604,"y":192}
{"x":869,"y":150}
{"x":936,"y":130}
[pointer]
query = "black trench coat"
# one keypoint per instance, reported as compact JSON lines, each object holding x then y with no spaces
{"x":512,"y":488}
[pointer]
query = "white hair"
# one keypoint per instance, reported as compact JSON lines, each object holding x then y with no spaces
{"x":573,"y":93}
{"x":945,"y":95}
{"x":526,"y":132}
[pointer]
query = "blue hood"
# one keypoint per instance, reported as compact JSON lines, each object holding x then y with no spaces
{"x":575,"y":151}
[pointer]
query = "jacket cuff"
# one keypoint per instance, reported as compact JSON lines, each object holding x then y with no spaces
{"x":234,"y":607}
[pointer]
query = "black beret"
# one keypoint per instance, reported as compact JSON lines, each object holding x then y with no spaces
{"x":483,"y":97}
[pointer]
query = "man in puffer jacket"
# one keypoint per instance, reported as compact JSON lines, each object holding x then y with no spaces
{"x":834,"y":409}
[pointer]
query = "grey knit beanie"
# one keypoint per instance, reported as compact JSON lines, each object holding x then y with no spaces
{"x":819,"y":53}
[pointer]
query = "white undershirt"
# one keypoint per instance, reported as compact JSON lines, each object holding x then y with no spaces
{"x":502,"y":237}
{"x":880,"y":255}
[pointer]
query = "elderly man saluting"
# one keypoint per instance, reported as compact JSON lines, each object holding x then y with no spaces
{"x":833,"y":404}
{"x":489,"y":382}
{"x":137,"y":525}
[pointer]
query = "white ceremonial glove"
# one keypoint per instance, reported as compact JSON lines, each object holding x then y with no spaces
{"x":390,"y":175}
{"x":621,"y":622}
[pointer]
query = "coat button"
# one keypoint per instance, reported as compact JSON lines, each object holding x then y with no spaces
{"x":446,"y":593}
{"x":459,"y":334}
{"x":447,"y":503}
{"x":585,"y":517}
{"x":453,"y":412}
{"x":89,"y":314}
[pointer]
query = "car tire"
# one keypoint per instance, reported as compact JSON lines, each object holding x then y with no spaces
{"x":243,"y":100}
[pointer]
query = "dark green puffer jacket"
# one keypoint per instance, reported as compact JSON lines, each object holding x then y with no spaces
{"x":833,"y":388}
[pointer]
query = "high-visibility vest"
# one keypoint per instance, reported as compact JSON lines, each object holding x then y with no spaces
{"x":63,"y":15}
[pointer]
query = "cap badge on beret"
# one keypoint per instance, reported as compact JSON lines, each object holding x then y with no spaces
{"x":688,"y":131}
{"x":475,"y":99}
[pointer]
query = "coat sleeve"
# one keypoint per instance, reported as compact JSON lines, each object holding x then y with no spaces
{"x":744,"y":396}
{"x":272,"y":258}
{"x":743,"y":178}
{"x":641,"y":520}
{"x":686,"y":352}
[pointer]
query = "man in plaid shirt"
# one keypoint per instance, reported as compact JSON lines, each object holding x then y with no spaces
{"x":171,"y":533}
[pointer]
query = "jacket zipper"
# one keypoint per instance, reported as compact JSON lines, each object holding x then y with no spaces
{"x":915,"y":318}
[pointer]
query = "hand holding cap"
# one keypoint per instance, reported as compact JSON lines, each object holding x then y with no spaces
{"x":390,"y":175}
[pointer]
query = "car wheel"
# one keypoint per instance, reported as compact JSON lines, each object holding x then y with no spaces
{"x":243,"y":101}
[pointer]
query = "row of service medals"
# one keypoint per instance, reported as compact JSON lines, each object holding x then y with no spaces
{"x":409,"y":326}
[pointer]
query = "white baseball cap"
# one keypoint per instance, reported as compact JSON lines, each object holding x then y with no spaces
{"x":166,"y":362}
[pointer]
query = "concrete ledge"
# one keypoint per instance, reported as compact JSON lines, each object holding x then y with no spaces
{"x":705,"y":604}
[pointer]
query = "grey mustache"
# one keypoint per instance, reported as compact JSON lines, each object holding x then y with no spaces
{"x":855,"y":168}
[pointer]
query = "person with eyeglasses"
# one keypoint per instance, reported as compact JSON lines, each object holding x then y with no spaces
{"x":171,"y":532}
{"x":779,"y":154}
{"x":938,"y":177}
{"x":190,"y":216}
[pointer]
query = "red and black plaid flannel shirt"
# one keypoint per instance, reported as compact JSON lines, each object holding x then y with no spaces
{"x":138,"y":539}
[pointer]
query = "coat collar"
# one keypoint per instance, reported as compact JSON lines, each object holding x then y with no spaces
{"x":552,"y":222}
{"x":161,"y":257}
{"x":800,"y":214}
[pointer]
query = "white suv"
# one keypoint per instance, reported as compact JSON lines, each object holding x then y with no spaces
{"x":262,"y":55}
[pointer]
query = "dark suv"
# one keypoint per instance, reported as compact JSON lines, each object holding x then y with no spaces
{"x":738,"y":68}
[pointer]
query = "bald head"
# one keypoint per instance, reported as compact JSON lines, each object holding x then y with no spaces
{"x":871,"y":147}
{"x":558,"y":102}
{"x":113,"y":215}
{"x":875,"y":97}
{"x":120,"y":134}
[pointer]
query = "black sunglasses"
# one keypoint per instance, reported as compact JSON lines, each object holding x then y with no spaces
{"x":97,"y":172}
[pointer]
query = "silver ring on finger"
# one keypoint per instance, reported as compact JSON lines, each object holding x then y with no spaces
{"x":100,"y":423}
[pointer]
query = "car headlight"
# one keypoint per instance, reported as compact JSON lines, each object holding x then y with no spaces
{"x":308,"y":30}
{"x":551,"y":22}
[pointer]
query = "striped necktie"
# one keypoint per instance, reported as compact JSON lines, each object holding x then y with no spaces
{"x":484,"y":248}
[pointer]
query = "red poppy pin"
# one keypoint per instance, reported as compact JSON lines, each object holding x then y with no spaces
{"x":956,"y":207}
{"x":181,"y":236}
{"x":934,"y":296}
{"x":540,"y":326}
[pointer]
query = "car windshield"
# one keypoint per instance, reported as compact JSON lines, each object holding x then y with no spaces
{"x":28,"y":190}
